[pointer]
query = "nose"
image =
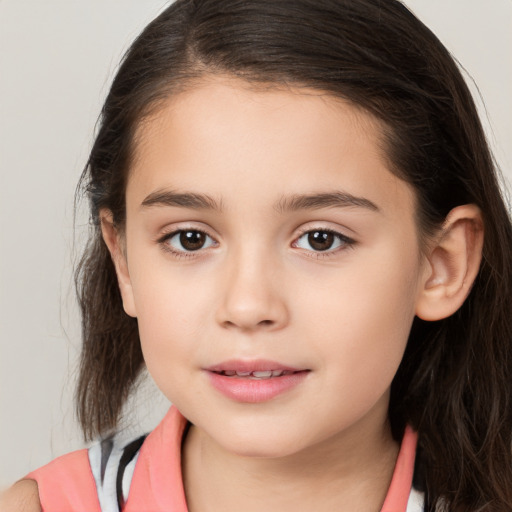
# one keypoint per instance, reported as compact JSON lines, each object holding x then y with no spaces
{"x":252,"y":298}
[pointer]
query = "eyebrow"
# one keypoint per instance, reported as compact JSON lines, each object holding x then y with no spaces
{"x":190,"y":200}
{"x":195,"y":201}
{"x":334,"y":199}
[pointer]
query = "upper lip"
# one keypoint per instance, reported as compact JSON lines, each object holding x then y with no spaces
{"x":254,"y":365}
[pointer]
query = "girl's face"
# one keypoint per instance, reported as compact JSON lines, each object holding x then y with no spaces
{"x":266,"y":232}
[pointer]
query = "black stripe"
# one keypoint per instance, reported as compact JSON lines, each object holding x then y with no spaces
{"x":106,"y":449}
{"x":129,"y":453}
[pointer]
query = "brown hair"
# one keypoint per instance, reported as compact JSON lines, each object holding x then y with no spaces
{"x":454,"y":383}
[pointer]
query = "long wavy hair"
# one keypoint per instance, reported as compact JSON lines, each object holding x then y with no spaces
{"x":454,"y":383}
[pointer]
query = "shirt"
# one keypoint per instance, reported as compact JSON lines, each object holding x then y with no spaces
{"x":144,"y":475}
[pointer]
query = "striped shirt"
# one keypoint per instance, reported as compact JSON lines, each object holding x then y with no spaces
{"x":113,"y":462}
{"x":144,"y":474}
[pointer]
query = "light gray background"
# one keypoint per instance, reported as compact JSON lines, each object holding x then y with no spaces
{"x":57,"y":58}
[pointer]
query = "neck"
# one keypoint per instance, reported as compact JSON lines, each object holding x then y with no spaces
{"x":348,"y":471}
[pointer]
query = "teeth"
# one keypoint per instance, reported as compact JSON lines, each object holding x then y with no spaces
{"x":263,"y":375}
{"x":266,"y":374}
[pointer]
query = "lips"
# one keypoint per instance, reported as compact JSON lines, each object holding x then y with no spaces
{"x":254,"y":381}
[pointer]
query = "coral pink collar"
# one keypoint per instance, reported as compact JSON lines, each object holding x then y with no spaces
{"x":157,"y":483}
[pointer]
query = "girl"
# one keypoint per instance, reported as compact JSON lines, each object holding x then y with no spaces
{"x":298,"y":230}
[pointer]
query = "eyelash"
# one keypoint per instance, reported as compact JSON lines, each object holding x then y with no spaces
{"x":346,"y":243}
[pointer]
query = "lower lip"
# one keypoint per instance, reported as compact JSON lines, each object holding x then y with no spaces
{"x":245,"y":389}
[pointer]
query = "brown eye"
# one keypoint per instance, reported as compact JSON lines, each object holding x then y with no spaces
{"x":321,"y":240}
{"x":192,"y":240}
{"x":187,"y":240}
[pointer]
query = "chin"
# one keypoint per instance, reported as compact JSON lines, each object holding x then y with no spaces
{"x":259,"y":442}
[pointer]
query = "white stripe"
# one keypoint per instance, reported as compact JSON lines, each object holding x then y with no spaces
{"x":107,"y":492}
{"x":416,"y":501}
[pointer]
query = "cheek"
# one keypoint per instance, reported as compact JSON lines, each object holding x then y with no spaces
{"x":373,"y":291}
{"x":167,"y":314}
{"x":170,"y":317}
{"x":169,"y":341}
{"x":360,"y":321}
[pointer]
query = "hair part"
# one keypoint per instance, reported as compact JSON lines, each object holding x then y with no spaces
{"x":453,"y":384}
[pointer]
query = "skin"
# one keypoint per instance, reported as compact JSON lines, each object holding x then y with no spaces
{"x":21,"y":497}
{"x":258,"y":288}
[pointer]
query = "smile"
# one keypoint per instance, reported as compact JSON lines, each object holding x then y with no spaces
{"x":254,"y":381}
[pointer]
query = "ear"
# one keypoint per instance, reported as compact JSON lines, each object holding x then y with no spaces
{"x":452,"y":264}
{"x":115,"y":243}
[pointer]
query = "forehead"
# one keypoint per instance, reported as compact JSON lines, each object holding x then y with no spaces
{"x":228,"y":137}
{"x":218,"y":102}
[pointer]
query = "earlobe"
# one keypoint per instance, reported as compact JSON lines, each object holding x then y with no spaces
{"x":113,"y":240}
{"x":452,"y":264}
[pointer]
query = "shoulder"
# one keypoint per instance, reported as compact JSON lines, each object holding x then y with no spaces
{"x":86,"y":479}
{"x":23,"y":496}
{"x":66,"y":483}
